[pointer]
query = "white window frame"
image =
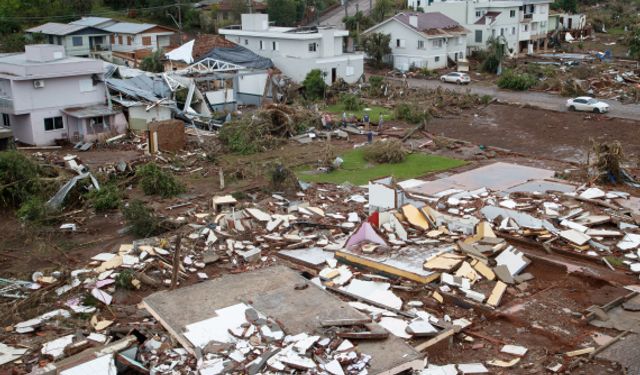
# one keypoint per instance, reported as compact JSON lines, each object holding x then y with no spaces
{"x":5,"y":120}
{"x":313,"y":47}
{"x":420,"y":44}
{"x":77,"y":38}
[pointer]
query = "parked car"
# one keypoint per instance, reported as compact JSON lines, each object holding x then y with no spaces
{"x":456,"y":77}
{"x":587,"y":104}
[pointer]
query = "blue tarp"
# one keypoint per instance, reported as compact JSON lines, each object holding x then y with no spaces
{"x":239,"y":55}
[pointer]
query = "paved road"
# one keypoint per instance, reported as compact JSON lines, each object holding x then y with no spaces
{"x":537,"y":99}
{"x":335,"y":16}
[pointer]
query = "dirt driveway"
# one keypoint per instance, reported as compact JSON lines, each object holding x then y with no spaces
{"x":540,"y":133}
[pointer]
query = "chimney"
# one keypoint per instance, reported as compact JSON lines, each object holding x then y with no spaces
{"x":413,"y":21}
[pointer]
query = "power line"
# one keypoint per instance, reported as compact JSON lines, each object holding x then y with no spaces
{"x":106,"y":13}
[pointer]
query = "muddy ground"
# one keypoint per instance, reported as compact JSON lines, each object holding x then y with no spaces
{"x":540,"y":133}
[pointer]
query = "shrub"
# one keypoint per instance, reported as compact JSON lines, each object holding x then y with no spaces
{"x":19,"y":178}
{"x":411,"y":113}
{"x":141,"y":219}
{"x":390,"y":151}
{"x":516,"y":81}
{"x":375,"y":85}
{"x":155,"y":181}
{"x":34,"y":211}
{"x":107,"y":198}
{"x":124,"y":280}
{"x":314,"y":86}
{"x":351,"y":102}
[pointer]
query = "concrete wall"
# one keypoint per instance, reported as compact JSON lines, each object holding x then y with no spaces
{"x":63,"y":92}
{"x":289,"y":47}
{"x":158,"y":40}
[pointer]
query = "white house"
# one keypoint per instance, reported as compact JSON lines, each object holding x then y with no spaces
{"x":77,"y":40}
{"x":296,"y":51}
{"x":131,"y":37}
{"x":423,"y":40}
{"x":46,"y":96}
{"x":521,"y":24}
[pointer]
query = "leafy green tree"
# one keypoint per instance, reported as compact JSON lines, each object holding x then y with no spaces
{"x":314,"y":85}
{"x":237,"y":8}
{"x":153,"y":63}
{"x":357,"y":22}
{"x":381,"y":9}
{"x":283,"y":12}
{"x":494,"y":56}
{"x":570,"y":6}
{"x":376,"y":46}
{"x":634,"y":45}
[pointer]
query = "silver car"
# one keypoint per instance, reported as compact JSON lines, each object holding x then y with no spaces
{"x":587,"y":104}
{"x":456,"y":77}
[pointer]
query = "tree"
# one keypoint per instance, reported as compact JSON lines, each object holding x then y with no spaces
{"x":238,"y":7}
{"x":283,"y":12}
{"x":314,"y":86}
{"x":153,"y":63}
{"x":376,"y":46}
{"x":357,"y":23}
{"x":381,"y":9}
{"x":634,"y":45}
{"x":495,"y":52}
{"x":570,"y":6}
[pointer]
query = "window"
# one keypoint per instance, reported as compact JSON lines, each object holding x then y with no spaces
{"x":501,"y":31}
{"x":129,"y":40}
{"x":525,"y":27}
{"x":5,"y":120}
{"x":493,"y":33}
{"x":146,"y":40}
{"x":274,"y":46}
{"x":437,"y":58}
{"x":436,"y":43}
{"x":512,"y":13}
{"x":77,"y":41}
{"x":261,"y":45}
{"x":312,"y":47}
{"x":421,"y":44}
{"x":400,"y":43}
{"x":120,"y":39}
{"x":478,"y":14}
{"x":53,"y":123}
{"x":246,"y":42}
{"x":99,"y":39}
{"x":478,"y":38}
{"x":98,"y":124}
{"x":513,"y":30}
{"x":113,"y":39}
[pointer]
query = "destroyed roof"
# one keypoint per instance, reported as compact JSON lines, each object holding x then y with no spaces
{"x":141,"y":87}
{"x":89,"y":111}
{"x":428,"y":24}
{"x":428,"y":21}
{"x":491,"y":15}
{"x":206,"y":42}
{"x":240,"y":56}
{"x":54,"y":28}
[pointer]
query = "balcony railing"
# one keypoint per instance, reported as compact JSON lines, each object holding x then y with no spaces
{"x":6,"y":105}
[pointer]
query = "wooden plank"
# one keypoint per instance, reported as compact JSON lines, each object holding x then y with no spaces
{"x":442,"y":336}
{"x":496,"y":295}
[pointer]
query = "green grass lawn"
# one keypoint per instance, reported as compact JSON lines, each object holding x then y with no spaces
{"x":374,"y":114}
{"x":358,"y":171}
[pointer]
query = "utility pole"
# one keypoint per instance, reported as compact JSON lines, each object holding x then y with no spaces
{"x":346,"y":5}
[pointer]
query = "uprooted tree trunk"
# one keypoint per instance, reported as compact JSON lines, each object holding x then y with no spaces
{"x":608,"y":161}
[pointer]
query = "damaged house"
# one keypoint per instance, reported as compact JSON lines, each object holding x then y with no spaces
{"x":297,"y":51}
{"x":423,"y":40}
{"x":46,"y":96}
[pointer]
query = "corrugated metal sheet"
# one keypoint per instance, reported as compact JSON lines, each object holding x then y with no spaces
{"x":90,"y":21}
{"x":54,"y":28}
{"x":129,"y":28}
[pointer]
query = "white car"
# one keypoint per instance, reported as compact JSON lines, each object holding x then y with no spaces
{"x":456,"y":77}
{"x":587,"y":104}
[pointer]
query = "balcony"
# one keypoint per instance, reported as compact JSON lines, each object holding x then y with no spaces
{"x":6,"y":105}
